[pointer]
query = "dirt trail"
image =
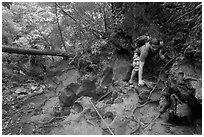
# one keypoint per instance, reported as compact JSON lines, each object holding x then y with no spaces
{"x":41,"y":114}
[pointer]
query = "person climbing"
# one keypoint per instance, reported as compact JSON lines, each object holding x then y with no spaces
{"x":145,"y":46}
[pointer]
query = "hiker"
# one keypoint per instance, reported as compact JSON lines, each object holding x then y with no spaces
{"x":145,"y":45}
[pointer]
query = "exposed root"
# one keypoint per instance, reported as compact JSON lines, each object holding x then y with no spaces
{"x":136,"y":129}
{"x":152,"y":122}
{"x":142,"y":105}
{"x":106,"y":94}
{"x":101,"y":117}
{"x":51,"y":120}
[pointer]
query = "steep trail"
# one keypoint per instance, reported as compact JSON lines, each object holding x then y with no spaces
{"x":121,"y":111}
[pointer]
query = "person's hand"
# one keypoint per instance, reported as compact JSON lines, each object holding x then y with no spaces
{"x":141,"y":83}
{"x":148,"y":37}
{"x":162,"y":57}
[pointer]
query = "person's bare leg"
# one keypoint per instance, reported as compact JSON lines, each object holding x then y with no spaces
{"x":140,"y":80}
{"x":132,"y":76}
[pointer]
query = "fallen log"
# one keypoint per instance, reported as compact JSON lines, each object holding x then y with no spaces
{"x":35,"y":52}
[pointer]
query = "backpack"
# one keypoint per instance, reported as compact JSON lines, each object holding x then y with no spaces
{"x":140,"y":41}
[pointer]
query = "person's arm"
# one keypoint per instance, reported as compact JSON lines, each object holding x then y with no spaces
{"x":161,"y":55}
{"x":160,"y":51}
{"x":140,"y":81}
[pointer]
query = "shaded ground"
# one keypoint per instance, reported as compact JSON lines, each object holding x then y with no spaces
{"x":39,"y":111}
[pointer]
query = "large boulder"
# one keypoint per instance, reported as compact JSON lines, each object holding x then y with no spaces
{"x":122,"y":68}
{"x":67,"y":97}
{"x":63,"y":78}
{"x":87,"y":88}
{"x":107,"y":78}
{"x":73,"y":91}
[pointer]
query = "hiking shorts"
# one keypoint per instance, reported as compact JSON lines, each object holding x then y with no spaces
{"x":136,"y":62}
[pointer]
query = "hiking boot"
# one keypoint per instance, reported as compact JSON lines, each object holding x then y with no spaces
{"x":131,"y":85}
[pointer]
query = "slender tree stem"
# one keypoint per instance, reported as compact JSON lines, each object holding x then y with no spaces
{"x":60,"y":31}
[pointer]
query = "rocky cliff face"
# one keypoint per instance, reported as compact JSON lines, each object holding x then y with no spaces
{"x":183,"y":91}
{"x":187,"y":73}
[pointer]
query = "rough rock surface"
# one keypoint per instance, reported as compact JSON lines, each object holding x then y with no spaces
{"x":67,"y":97}
{"x":191,"y":74}
{"x":121,"y":68}
{"x":120,"y":111}
{"x":107,"y":78}
{"x":87,"y":88}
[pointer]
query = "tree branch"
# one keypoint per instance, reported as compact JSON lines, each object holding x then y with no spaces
{"x":197,"y":7}
{"x":78,"y":22}
{"x":65,"y":12}
{"x":60,"y":30}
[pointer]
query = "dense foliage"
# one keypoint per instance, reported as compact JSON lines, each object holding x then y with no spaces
{"x":76,"y":28}
{"x":92,"y":31}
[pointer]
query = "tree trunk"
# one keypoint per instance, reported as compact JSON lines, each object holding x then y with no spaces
{"x":35,"y":52}
{"x":60,"y":30}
